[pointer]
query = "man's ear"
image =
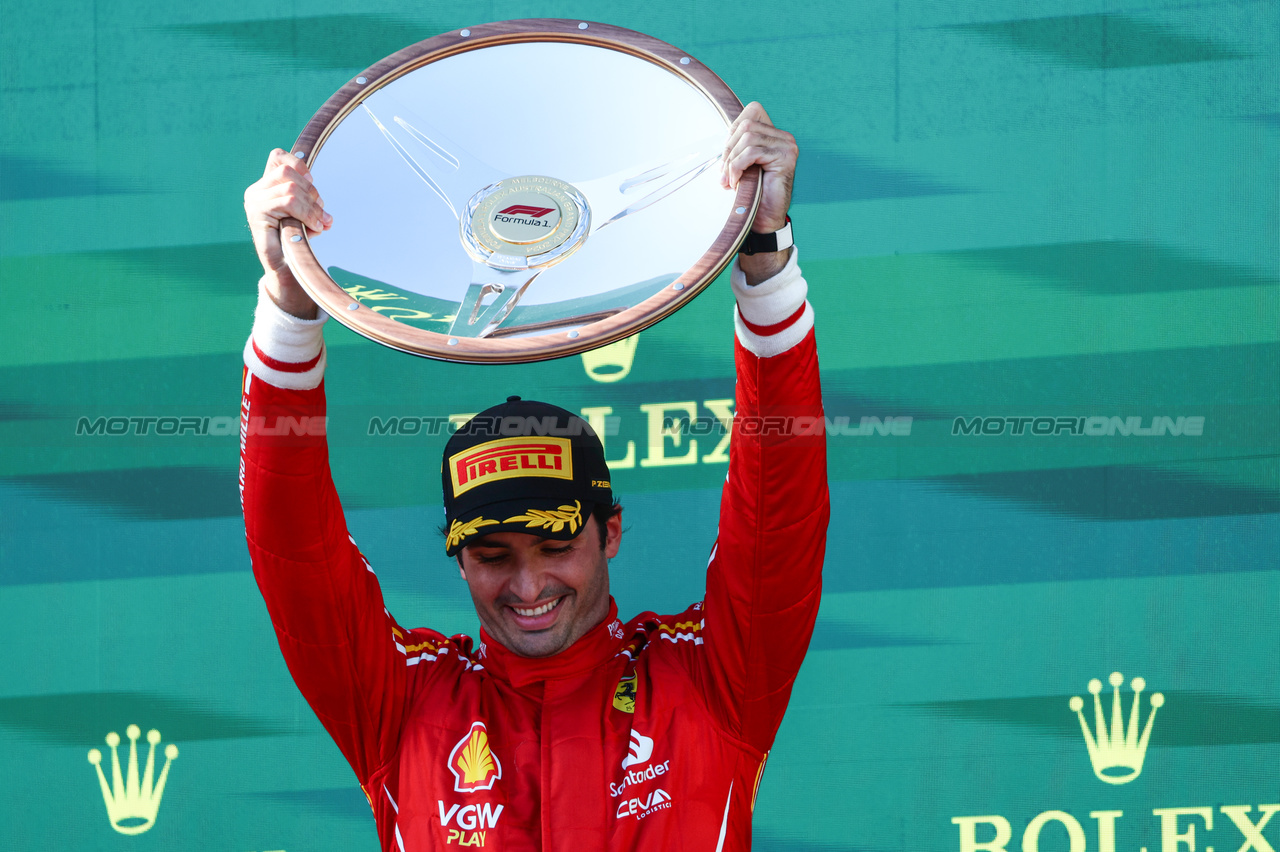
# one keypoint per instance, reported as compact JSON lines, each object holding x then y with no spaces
{"x":462,"y":572}
{"x":613,"y":534}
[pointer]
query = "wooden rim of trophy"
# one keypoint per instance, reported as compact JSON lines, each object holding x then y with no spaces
{"x":552,"y":344}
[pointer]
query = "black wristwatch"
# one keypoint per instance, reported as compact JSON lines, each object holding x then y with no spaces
{"x":776,"y":241}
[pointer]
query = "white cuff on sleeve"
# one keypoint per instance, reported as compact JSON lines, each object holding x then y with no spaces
{"x":772,"y":301}
{"x":766,"y":346}
{"x":768,"y":305}
{"x":283,"y":350}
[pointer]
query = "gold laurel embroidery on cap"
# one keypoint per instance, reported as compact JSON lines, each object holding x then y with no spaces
{"x":458,"y":530}
{"x":553,"y":518}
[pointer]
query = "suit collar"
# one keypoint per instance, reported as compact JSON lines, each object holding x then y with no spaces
{"x":597,"y":645}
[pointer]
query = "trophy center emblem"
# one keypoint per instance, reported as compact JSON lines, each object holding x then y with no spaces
{"x":526,"y":221}
{"x":530,"y":217}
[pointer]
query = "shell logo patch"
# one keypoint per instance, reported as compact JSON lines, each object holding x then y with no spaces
{"x":507,"y":458}
{"x":473,"y":763}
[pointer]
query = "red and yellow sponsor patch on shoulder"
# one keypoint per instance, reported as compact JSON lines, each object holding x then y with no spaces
{"x":509,"y":458}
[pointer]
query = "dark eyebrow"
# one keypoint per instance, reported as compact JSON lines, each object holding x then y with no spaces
{"x":484,"y":541}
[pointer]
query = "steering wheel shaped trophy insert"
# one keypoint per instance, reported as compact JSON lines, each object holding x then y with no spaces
{"x":519,"y":191}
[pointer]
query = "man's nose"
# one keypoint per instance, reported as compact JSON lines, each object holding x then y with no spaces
{"x":527,"y":582}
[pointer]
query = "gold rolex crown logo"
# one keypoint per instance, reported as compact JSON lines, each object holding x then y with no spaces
{"x":132,"y":805}
{"x":611,"y":363}
{"x":1116,"y":751}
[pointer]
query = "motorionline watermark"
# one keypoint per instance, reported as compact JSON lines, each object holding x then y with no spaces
{"x":215,"y":426}
{"x":1093,"y":426}
{"x":165,"y":426}
{"x":610,"y":426}
{"x":510,"y":426}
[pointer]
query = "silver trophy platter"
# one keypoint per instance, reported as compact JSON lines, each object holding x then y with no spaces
{"x":520,"y":190}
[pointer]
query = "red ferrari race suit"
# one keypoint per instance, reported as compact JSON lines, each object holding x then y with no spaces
{"x":649,"y":734}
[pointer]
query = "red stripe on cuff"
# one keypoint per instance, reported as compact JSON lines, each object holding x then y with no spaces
{"x":766,"y":330}
{"x":285,"y":366}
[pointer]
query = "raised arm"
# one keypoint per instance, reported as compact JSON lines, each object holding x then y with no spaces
{"x":765,"y":577}
{"x":284,"y":190}
{"x":337,"y":638}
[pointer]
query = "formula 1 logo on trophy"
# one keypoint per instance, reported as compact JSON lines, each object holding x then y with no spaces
{"x":487,"y":215}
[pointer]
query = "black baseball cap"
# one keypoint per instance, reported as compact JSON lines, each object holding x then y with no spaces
{"x":522,"y":466}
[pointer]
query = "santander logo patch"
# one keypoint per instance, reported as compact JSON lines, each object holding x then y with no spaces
{"x":641,"y":750}
{"x":640,"y":753}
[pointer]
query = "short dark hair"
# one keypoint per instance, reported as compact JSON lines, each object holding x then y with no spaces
{"x":602,"y":512}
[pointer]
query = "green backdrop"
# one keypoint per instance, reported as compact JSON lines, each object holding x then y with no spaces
{"x":1024,"y":225}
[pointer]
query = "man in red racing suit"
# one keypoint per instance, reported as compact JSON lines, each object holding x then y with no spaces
{"x":646,"y":734}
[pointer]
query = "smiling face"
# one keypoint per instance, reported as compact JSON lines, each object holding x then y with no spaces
{"x":535,"y":595}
